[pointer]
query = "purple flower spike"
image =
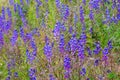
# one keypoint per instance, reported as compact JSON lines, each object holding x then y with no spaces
{"x":83,"y":72}
{"x":20,"y":11}
{"x":81,"y":15}
{"x":96,"y":62}
{"x":28,"y":2}
{"x":11,"y":2}
{"x":67,"y":63}
{"x":8,"y":78}
{"x":16,"y":74}
{"x":94,"y":4}
{"x":37,"y":11}
{"x":118,"y":16}
{"x":3,"y":13}
{"x":73,"y":44}
{"x":58,"y":3}
{"x":9,"y":12}
{"x":32,"y":72}
{"x":91,"y":15}
{"x":51,"y":77}
{"x":58,"y":28}
{"x":67,"y":74}
{"x":105,"y":51}
{"x":75,"y":19}
{"x":107,"y":15}
{"x":14,"y":37}
{"x":61,"y":43}
{"x":98,"y":48}
{"x":81,"y":51}
{"x":89,"y":51}
{"x":110,"y":45}
{"x":21,"y":2}
{"x":67,"y":66}
{"x":1,"y":39}
{"x":48,"y":51}
{"x":65,"y":11}
{"x":84,"y":2}
{"x":39,"y":3}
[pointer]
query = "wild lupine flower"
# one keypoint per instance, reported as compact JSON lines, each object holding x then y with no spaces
{"x":56,"y":30}
{"x":28,"y":37}
{"x":21,"y":32}
{"x":91,"y":30}
{"x":118,"y":16}
{"x":58,"y":27}
{"x":14,"y":37}
{"x":81,"y":15}
{"x":114,"y":19}
{"x":98,"y":48}
{"x":15,"y":74}
{"x":114,"y":4}
{"x":37,"y":11}
{"x":58,"y":3}
{"x":65,"y":11}
{"x":28,"y":2}
{"x":61,"y":44}
{"x":33,"y":45}
{"x":9,"y":71}
{"x":30,"y":56}
{"x":67,"y":74}
{"x":67,"y":48}
{"x":35,"y":31}
{"x":70,"y":30}
{"x":15,"y":7}
{"x":67,"y":63}
{"x":75,"y":19}
{"x":46,"y":0}
{"x":1,"y":39}
{"x":88,"y":79}
{"x":96,"y":62}
{"x":118,"y":8}
{"x":3,"y":13}
{"x":51,"y":77}
{"x":8,"y":78}
{"x":110,"y":45}
{"x":9,"y":12}
{"x":11,"y":2}
{"x":73,"y":44}
{"x":94,"y":4}
{"x":91,"y":15}
{"x":81,"y":51}
{"x":32,"y":72}
{"x":105,"y":58}
{"x":107,"y":15}
{"x":84,"y":2}
{"x":100,"y":77}
{"x":20,"y":11}
{"x":7,"y":26}
{"x":48,"y":51}
{"x":39,"y":3}
{"x":82,"y":40}
{"x":83,"y":72}
{"x":89,"y":51}
{"x":108,"y":71}
{"x":67,"y":66}
{"x":21,"y":2}
{"x":105,"y":51}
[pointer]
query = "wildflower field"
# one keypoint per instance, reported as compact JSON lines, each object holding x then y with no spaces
{"x":59,"y":39}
